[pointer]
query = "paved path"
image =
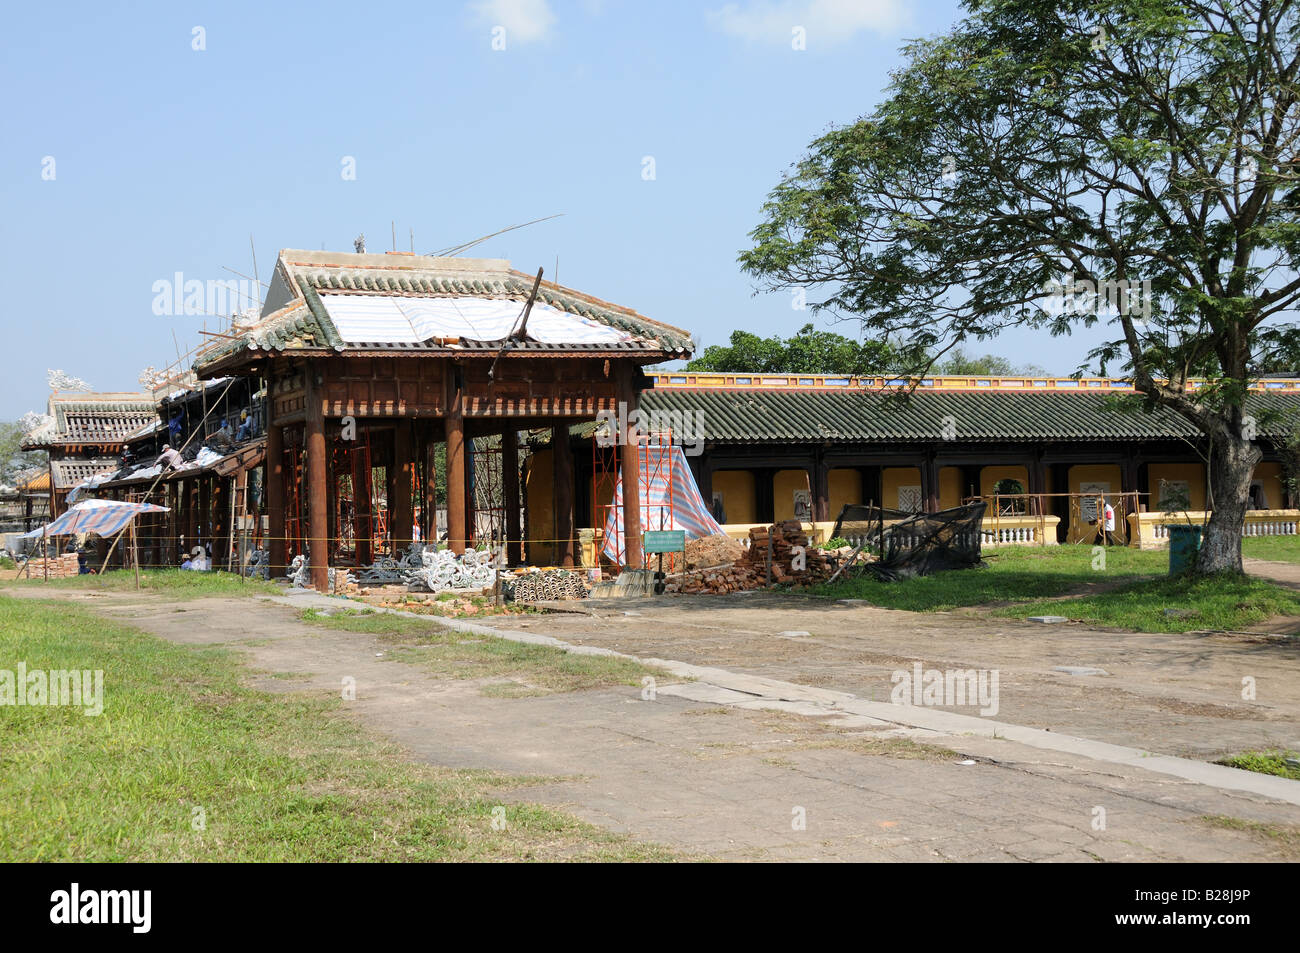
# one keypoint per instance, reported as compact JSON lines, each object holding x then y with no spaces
{"x":725,"y":765}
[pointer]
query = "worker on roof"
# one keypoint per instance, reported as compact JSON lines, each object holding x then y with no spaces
{"x":169,"y":459}
{"x":245,"y":427}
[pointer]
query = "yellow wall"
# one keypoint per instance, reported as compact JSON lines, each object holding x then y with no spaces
{"x":950,"y":488}
{"x":737,"y":489}
{"x":845,"y":488}
{"x":1270,"y":475}
{"x":1193,"y":473}
{"x":892,"y":478}
{"x":1096,"y":473}
{"x":989,"y":477}
{"x":538,"y":479}
{"x":784,"y":483}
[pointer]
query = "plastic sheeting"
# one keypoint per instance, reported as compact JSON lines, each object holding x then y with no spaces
{"x":913,"y":544}
{"x":687,"y":511}
{"x":379,"y":319}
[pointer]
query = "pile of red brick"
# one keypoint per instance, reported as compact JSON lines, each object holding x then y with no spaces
{"x":59,"y":567}
{"x":750,"y":570}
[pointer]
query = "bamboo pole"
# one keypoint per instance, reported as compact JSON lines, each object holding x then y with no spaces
{"x":135,"y":555}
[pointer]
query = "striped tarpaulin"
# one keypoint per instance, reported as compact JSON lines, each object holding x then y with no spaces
{"x":102,"y":517}
{"x":687,"y":511}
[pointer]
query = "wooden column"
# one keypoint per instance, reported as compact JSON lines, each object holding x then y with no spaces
{"x":429,"y":506}
{"x":821,"y":492}
{"x":315,"y":477}
{"x":400,"y":512}
{"x":456,"y":495}
{"x":510,"y":489}
{"x":203,"y":531}
{"x":930,"y":484}
{"x":361,"y":505}
{"x":1037,"y":485}
{"x":630,"y":471}
{"x":191,"y":516}
{"x":274,"y":492}
{"x":562,"y":470}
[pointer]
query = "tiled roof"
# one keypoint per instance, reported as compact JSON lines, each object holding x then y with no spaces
{"x":92,"y":418}
{"x":865,"y":416}
{"x":68,"y":473}
{"x":304,"y":322}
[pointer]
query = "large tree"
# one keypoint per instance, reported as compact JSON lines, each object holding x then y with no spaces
{"x":1128,"y":164}
{"x":808,"y":351}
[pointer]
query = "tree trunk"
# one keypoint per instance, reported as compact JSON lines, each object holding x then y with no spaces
{"x":1232,"y":463}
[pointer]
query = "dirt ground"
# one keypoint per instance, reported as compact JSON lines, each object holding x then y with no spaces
{"x":1177,"y":694}
{"x":723,"y":773}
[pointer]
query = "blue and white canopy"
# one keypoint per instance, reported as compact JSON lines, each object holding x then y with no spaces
{"x":102,"y":517}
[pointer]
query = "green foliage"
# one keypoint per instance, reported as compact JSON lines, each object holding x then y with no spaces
{"x":807,"y":352}
{"x":990,"y":365}
{"x":1283,"y":764}
{"x":12,"y":460}
{"x":1042,"y":143}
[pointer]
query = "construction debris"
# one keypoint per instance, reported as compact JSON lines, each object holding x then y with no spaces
{"x":791,"y":560}
{"x":59,"y":567}
{"x":544,"y":586}
{"x":717,"y":550}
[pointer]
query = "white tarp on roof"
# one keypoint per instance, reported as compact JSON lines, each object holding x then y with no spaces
{"x":378,"y":319}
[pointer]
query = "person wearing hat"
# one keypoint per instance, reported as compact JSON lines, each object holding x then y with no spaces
{"x":169,"y":459}
{"x":245,"y":427}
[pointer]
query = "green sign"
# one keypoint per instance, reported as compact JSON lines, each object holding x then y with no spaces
{"x":664,"y":541}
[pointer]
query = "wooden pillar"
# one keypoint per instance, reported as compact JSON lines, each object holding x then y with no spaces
{"x":510,"y":489}
{"x":274,"y":493}
{"x":429,"y":505}
{"x":764,"y":494}
{"x":456,"y":495}
{"x":930,"y":484}
{"x":316,"y":476}
{"x":203,"y":531}
{"x":821,"y":491}
{"x":190,"y":494}
{"x":630,"y":471}
{"x":361,"y":509}
{"x":471,"y":494}
{"x":400,"y":512}
{"x":562,"y":470}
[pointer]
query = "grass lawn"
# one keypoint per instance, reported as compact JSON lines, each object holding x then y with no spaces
{"x":174,"y":582}
{"x":1132,"y":591}
{"x":1011,"y":573}
{"x":275,"y":777}
{"x":1193,"y":604}
{"x":1283,"y":549}
{"x":522,"y":669}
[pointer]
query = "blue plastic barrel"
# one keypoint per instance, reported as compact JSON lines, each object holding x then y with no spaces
{"x":1184,"y":543}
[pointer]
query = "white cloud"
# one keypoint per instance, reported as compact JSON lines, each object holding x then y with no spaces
{"x":525,"y":21}
{"x":826,"y":21}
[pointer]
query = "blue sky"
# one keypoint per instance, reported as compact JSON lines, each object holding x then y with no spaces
{"x":166,"y":158}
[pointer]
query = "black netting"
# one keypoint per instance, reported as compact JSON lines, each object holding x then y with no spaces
{"x":912,"y":544}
